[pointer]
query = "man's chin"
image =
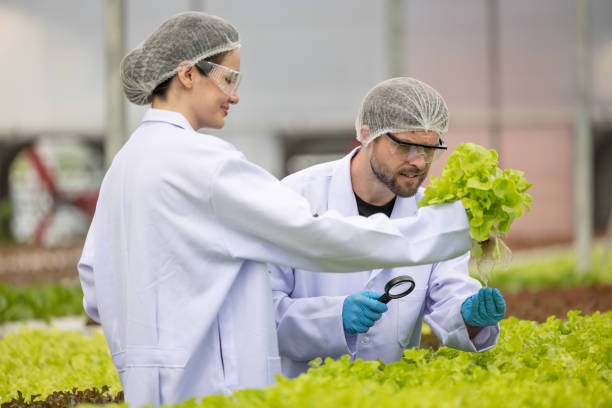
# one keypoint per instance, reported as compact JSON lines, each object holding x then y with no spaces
{"x":407,"y":191}
{"x":407,"y":194}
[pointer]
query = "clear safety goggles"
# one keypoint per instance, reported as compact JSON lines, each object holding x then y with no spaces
{"x":410,"y":151}
{"x":226,"y":78}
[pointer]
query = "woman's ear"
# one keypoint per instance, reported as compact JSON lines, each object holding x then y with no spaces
{"x":186,"y":74}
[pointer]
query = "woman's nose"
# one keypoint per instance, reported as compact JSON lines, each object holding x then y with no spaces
{"x":234,"y":99}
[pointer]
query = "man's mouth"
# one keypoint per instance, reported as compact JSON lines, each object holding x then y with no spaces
{"x":411,"y":176}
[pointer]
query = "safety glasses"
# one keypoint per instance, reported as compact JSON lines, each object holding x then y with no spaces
{"x":226,"y":78}
{"x":410,"y":151}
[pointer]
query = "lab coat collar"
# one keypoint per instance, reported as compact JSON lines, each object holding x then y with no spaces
{"x":404,"y":207}
{"x":172,"y":117}
{"x":341,"y":196}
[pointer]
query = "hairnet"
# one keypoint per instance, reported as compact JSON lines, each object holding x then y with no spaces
{"x":190,"y":36}
{"x":400,"y":105}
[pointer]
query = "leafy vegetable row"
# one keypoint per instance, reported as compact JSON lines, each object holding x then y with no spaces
{"x":39,"y":302}
{"x":557,"y":363}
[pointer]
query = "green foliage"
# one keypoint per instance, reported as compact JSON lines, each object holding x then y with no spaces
{"x":6,"y":214}
{"x":549,"y":365}
{"x":39,"y":302}
{"x":493,"y":198}
{"x":557,"y":363}
{"x":67,"y":399}
{"x":39,"y":362}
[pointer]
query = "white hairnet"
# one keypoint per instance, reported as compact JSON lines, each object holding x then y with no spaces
{"x":401,"y":105}
{"x":190,"y":36}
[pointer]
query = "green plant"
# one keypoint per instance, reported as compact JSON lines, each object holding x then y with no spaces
{"x":557,"y":363}
{"x":40,"y":362}
{"x":6,"y":214}
{"x":67,"y":399}
{"x":493,"y":198}
{"x":549,"y":365}
{"x":39,"y":302}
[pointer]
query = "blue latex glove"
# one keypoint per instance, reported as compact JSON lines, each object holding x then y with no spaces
{"x":361,"y":310}
{"x":485,"y":308}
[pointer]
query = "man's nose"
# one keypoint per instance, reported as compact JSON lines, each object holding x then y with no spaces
{"x":418,"y":161}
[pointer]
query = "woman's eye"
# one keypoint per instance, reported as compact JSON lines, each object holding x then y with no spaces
{"x":228,"y":80}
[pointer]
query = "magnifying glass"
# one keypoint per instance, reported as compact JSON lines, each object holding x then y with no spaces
{"x":397,"y":287}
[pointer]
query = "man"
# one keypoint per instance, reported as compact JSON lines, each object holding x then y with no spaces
{"x":400,"y":127}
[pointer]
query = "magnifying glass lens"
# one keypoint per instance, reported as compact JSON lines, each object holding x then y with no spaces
{"x":400,"y":288}
{"x":397,"y":287}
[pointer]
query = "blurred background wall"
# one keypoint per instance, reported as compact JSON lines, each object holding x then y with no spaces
{"x":505,"y":67}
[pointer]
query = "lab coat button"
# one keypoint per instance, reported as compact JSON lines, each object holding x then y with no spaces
{"x":365,"y":340}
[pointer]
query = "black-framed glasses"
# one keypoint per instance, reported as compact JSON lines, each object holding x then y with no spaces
{"x":411,"y":151}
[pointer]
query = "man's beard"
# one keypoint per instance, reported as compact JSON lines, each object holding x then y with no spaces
{"x":390,"y":180}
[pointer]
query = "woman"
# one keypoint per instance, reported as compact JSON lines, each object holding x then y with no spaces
{"x":173,"y":265}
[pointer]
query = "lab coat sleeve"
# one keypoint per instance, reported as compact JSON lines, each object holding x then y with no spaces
{"x":262,"y":220}
{"x":449,"y":286}
{"x":307,"y":327}
{"x":86,"y":276}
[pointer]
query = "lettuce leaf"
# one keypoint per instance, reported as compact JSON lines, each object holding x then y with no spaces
{"x":493,"y":199}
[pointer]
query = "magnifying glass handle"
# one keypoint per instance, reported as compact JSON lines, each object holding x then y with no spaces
{"x":384,"y":298}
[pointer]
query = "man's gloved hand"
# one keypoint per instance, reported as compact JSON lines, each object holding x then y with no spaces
{"x":361,"y":310}
{"x":485,"y":308}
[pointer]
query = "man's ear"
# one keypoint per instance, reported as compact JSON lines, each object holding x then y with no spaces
{"x":186,"y":75}
{"x":364,"y":134}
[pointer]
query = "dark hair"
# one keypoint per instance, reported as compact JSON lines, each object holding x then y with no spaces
{"x":161,"y":89}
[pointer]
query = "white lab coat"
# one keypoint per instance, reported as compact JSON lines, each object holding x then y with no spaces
{"x":308,"y":305}
{"x":174,"y":269}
